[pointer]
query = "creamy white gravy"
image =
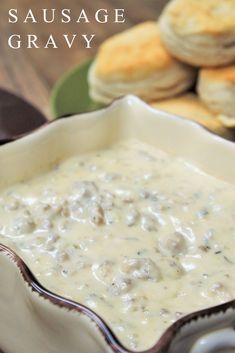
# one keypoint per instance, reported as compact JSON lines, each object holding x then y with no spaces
{"x":137,"y":235}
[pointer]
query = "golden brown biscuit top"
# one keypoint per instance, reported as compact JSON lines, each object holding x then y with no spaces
{"x":133,"y":54}
{"x":189,"y":106}
{"x":226,"y":74}
{"x":214,"y":17}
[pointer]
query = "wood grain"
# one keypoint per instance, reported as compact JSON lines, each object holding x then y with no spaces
{"x":33,"y":72}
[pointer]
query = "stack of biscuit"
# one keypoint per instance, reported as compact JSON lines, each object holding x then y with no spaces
{"x":191,"y":48}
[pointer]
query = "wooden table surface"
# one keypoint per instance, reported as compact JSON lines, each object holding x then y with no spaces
{"x":33,"y":72}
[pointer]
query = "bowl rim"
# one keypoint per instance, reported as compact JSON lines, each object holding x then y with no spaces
{"x":130,"y":97}
{"x":111,"y":339}
{"x":61,"y":302}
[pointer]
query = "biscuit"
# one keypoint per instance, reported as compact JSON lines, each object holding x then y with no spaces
{"x":216,"y":87}
{"x":136,"y":62}
{"x":190,"y":107}
{"x":200,"y":32}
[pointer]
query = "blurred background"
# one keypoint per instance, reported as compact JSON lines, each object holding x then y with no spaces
{"x":33,"y":72}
